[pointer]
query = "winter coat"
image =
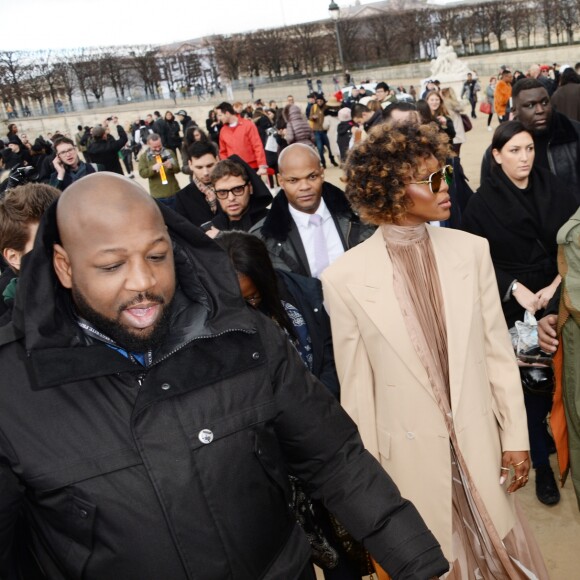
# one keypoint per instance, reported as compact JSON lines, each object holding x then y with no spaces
{"x":305,"y":294}
{"x":179,"y":470}
{"x":280,"y":234}
{"x":522,"y":243}
{"x":566,"y":100}
{"x":298,"y":129}
{"x":344,"y":135}
{"x":173,"y":137}
{"x":156,"y":186}
{"x":190,"y":202}
{"x":243,"y":140}
{"x":105,"y":152}
{"x":501,"y":97}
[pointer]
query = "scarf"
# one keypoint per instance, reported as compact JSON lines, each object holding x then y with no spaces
{"x":209,"y":193}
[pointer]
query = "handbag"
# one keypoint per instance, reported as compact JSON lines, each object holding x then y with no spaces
{"x":538,"y":381}
{"x":466,"y":122}
{"x":485,"y":108}
{"x":323,"y":554}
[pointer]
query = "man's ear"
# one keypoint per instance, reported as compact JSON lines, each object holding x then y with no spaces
{"x":61,"y":264}
{"x":13,"y":257}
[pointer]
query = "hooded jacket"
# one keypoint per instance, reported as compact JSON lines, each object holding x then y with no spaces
{"x":298,"y":128}
{"x":178,"y":470}
{"x":282,"y":238}
{"x":260,"y":199}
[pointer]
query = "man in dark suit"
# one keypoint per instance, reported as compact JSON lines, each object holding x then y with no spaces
{"x":310,"y":223}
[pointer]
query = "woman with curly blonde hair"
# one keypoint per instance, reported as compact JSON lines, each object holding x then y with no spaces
{"x":424,"y":358}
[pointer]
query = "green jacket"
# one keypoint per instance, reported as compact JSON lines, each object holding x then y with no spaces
{"x":569,"y":326}
{"x":156,"y":188}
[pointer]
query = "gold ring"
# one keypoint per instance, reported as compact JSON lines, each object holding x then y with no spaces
{"x":505,"y":468}
{"x":520,"y":463}
{"x":519,"y":478}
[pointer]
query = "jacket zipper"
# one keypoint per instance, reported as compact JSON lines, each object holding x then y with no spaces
{"x":200,"y":338}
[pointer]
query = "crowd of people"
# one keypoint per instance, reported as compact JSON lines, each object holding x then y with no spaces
{"x":245,"y":376}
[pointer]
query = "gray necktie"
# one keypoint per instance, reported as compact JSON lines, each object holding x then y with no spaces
{"x":320,"y":247}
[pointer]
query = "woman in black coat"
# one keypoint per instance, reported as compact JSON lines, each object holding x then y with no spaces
{"x":174,"y":139}
{"x":519,"y":209}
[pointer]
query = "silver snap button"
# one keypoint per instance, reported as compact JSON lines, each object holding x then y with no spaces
{"x":165,"y":386}
{"x":84,"y":514}
{"x":256,"y":356}
{"x":316,"y":310}
{"x":205,"y":436}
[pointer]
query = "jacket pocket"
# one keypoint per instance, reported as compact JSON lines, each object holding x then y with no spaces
{"x":270,"y":458}
{"x":66,"y":521}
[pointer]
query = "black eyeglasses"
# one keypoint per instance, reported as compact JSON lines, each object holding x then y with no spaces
{"x":435,"y":179}
{"x":237,"y":191}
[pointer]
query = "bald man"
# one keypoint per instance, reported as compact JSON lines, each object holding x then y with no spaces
{"x":310,"y":223}
{"x":149,"y":419}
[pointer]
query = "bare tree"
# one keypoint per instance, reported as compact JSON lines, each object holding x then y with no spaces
{"x":445,"y":23}
{"x":496,"y":13}
{"x":270,"y":48}
{"x":143,"y":59}
{"x":349,"y":29}
{"x":34,"y":84}
{"x":65,"y":78}
{"x":113,"y":65}
{"x":230,"y":53}
{"x":567,"y":16}
{"x":13,"y":71}
{"x":383,"y":37}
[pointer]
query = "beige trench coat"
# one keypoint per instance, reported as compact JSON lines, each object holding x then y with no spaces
{"x":385,"y":388}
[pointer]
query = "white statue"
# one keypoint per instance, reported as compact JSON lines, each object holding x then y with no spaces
{"x":447,"y":62}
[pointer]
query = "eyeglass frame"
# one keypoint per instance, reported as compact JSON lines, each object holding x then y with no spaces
{"x":220,"y":192}
{"x":430,"y":180}
{"x":73,"y":148}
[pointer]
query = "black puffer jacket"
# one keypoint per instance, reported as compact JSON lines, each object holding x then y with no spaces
{"x":178,"y":471}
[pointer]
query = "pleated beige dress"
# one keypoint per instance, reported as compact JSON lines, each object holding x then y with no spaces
{"x":478,"y":551}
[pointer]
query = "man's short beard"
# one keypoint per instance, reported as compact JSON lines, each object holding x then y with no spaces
{"x":112,"y":328}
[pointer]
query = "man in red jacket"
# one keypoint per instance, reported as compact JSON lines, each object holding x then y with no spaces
{"x":240,"y":137}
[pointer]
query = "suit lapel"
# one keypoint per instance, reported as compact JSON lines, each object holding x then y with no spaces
{"x":377,"y":298}
{"x":456,"y":278}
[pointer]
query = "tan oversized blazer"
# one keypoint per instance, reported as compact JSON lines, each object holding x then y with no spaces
{"x":385,"y":388}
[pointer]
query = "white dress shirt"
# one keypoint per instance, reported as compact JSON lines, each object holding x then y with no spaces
{"x":306,"y":231}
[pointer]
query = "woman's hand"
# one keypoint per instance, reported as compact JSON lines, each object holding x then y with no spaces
{"x":526,"y":298}
{"x":520,"y":462}
{"x":442,"y":120}
{"x":545,"y":294}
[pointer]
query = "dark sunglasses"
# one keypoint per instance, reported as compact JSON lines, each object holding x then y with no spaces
{"x":237,"y":191}
{"x":435,"y":179}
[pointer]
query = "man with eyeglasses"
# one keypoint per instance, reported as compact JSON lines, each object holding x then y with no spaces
{"x":242,"y":196}
{"x":68,"y":165}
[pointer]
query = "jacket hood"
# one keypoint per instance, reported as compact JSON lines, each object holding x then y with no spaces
{"x":278,"y":222}
{"x":43,"y":310}
{"x":260,"y":199}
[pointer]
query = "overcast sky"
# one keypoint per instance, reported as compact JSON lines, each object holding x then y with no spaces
{"x":78,"y":23}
